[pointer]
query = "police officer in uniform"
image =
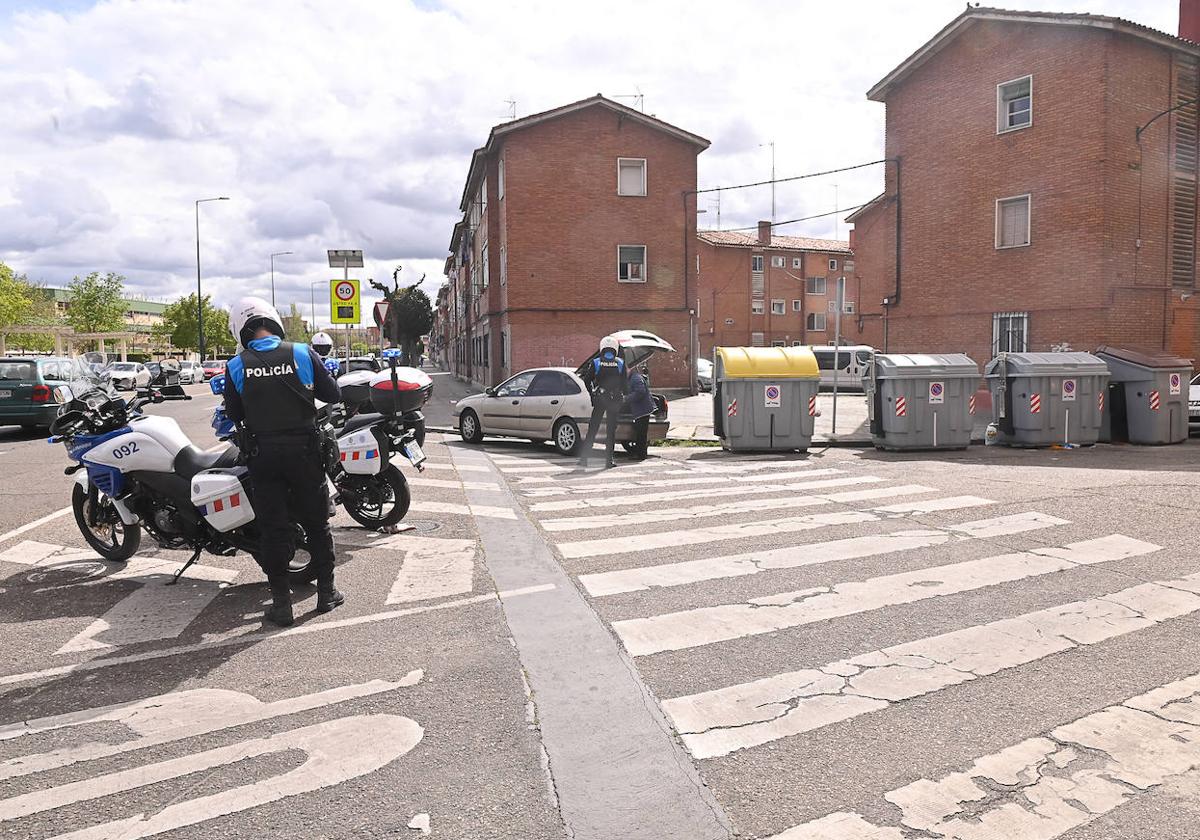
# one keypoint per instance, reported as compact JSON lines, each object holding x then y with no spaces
{"x":609,"y":386}
{"x":269,"y":388}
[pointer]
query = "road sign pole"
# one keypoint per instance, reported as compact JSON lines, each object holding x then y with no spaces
{"x":346,"y":278}
{"x":837,"y":345}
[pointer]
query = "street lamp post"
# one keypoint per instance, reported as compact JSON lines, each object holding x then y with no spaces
{"x":273,"y":256}
{"x":199,"y":296}
{"x":312,"y":301}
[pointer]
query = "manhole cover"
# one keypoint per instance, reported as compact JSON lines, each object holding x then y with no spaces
{"x":422,"y":526}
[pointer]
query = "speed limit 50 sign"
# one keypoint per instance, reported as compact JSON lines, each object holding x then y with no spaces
{"x":343,"y":302}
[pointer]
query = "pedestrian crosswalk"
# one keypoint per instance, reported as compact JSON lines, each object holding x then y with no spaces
{"x":737,"y":585}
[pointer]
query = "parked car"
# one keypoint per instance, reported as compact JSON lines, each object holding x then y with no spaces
{"x":213,"y":367}
{"x":553,"y":403}
{"x":27,"y":387}
{"x":851,"y":361}
{"x":1194,"y":400}
{"x":128,"y":376}
{"x":357,"y":363}
{"x":704,"y":374}
{"x":190,"y":373}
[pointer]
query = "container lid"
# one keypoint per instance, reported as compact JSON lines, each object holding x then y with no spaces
{"x":407,"y":379}
{"x":926,"y":365}
{"x":1048,"y":364}
{"x":1144,"y":358}
{"x":766,"y":363}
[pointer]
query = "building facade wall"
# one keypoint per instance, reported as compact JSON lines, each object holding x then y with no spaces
{"x":1083,"y":279}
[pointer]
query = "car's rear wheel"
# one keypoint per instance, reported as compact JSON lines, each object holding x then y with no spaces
{"x":566,"y":436}
{"x":469,"y":428}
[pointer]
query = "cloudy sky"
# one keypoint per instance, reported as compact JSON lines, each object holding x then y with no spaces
{"x":350,"y":123}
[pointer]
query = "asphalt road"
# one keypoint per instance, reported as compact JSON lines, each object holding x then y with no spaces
{"x":844,"y":644}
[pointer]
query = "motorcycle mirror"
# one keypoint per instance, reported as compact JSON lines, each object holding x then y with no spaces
{"x":63,"y":394}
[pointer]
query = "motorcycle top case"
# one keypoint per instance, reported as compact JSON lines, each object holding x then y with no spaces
{"x":220,"y":496}
{"x":361,"y":454}
{"x":410,"y":391}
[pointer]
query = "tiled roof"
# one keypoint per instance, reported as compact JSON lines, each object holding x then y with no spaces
{"x":973,"y":14}
{"x":736,"y":239}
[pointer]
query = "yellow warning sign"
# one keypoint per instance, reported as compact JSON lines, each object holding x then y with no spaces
{"x":343,"y":301}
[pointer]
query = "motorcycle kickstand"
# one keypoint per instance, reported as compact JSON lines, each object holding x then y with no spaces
{"x":174,"y":580}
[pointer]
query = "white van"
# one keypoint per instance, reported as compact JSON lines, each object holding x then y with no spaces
{"x":852,"y":362}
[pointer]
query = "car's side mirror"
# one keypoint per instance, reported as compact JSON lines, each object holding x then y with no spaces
{"x":491,"y":392}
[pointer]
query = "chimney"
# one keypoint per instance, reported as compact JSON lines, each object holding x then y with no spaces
{"x":764,"y":228}
{"x":1189,"y":20}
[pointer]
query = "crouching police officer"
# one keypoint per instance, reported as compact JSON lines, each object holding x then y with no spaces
{"x":269,"y":388}
{"x":609,"y":386}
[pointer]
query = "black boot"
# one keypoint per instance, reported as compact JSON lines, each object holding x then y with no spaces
{"x":328,"y":597}
{"x":280,"y":611}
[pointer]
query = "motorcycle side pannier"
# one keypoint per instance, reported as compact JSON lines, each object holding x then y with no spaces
{"x":221,"y":498}
{"x":360,"y":453}
{"x":410,"y":391}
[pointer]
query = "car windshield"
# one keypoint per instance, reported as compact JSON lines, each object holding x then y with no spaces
{"x":16,"y":371}
{"x":123,"y":367}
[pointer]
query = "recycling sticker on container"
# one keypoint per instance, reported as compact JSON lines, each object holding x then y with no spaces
{"x":1068,"y":390}
{"x":771,"y":396}
{"x":937,"y":393}
{"x":1176,"y":383}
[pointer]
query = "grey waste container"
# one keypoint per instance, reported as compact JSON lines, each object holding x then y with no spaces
{"x":1043,"y":399}
{"x":922,"y":401}
{"x":1147,"y":396}
{"x":765,"y":398}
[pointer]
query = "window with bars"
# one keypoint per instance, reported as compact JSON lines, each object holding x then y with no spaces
{"x":631,"y":176}
{"x":815,"y":321}
{"x":1014,"y":104}
{"x":1012,"y":222}
{"x":1010,"y":332}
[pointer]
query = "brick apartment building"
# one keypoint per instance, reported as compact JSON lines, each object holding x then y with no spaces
{"x":1029,"y":214}
{"x":574,"y":225}
{"x":765,"y":290}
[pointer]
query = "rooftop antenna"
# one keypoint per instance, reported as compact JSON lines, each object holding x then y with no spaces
{"x":512,"y":108}
{"x":639,"y":98}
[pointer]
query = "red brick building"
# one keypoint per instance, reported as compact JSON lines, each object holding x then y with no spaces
{"x":576,"y":223}
{"x":1030,"y":212}
{"x":763,"y":290}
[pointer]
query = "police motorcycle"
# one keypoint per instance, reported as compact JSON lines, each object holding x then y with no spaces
{"x":139,"y":472}
{"x":396,"y":391}
{"x":358,"y":454}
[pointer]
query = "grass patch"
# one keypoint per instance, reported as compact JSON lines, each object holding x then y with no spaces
{"x":687,"y":442}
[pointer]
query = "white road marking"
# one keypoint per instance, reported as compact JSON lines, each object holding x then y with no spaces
{"x":743,"y":467}
{"x":172,"y":717}
{"x":451,"y":484}
{"x":741,"y":530}
{"x":934,"y":505}
{"x":623,"y":499}
{"x":771,"y":613}
{"x":788,"y":704}
{"x":709,"y":511}
{"x":615,"y":483}
{"x":506,"y":468}
{"x":1137,"y":745}
{"x":430,"y":465}
{"x":253,"y":636}
{"x":335,"y":751}
{"x":810,"y":554}
{"x":37,"y":523}
{"x":432,"y":568}
{"x":464,"y":510}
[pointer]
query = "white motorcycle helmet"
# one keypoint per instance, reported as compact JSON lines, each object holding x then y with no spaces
{"x":322,"y":343}
{"x":248,"y":315}
{"x":610,"y":343}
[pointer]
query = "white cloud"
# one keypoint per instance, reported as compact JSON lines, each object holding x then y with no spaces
{"x":351,"y":123}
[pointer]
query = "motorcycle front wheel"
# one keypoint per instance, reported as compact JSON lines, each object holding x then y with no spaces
{"x":377,"y":501}
{"x":111,"y":538}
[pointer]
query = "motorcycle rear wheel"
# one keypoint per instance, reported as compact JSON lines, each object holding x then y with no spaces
{"x":381,"y":500}
{"x":111,"y":538}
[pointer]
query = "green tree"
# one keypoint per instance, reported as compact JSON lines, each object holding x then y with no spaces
{"x":97,"y":303}
{"x":25,"y":304}
{"x":410,"y":316}
{"x":179,"y":325}
{"x":359,"y":348}
{"x":294,"y":326}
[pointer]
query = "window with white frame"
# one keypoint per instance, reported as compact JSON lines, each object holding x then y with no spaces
{"x":796,"y":263}
{"x":631,"y":263}
{"x":814,"y":286}
{"x":756,"y":263}
{"x":757,"y":285}
{"x":816,"y":321}
{"x":756,"y":307}
{"x":631,"y":176}
{"x":776,"y":262}
{"x":778,"y":343}
{"x":503,"y":265}
{"x":1012,"y":222}
{"x":756,"y":339}
{"x":833,"y":265}
{"x":778,"y":307}
{"x":484,"y":274}
{"x":1014,"y":104}
{"x":797,"y":344}
{"x":503,"y":348}
{"x":797,"y":306}
{"x":483,"y":201}
{"x":1010,"y":332}
{"x":500,"y":179}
